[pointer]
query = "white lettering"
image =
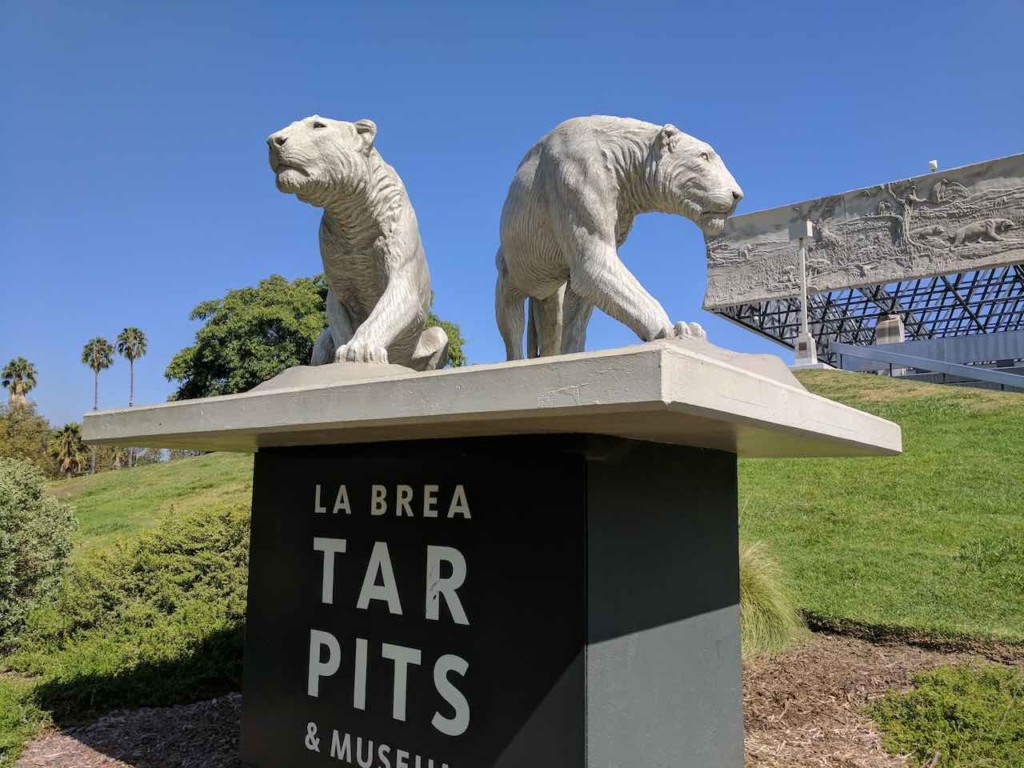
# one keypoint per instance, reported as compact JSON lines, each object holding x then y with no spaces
{"x":379,"y":503}
{"x":459,"y":505}
{"x":382,"y":756}
{"x":330,"y":548}
{"x":341,"y":502}
{"x":359,"y":687}
{"x":457,"y":724}
{"x":359,"y":753}
{"x":403,"y":503}
{"x":380,"y":562}
{"x":317,"y":668}
{"x":342,"y":750}
{"x":402,"y":658}
{"x":446,"y":586}
{"x":318,"y":508}
{"x":430,"y":501}
{"x":402,"y":759}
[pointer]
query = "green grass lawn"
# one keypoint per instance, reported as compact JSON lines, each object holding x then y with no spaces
{"x":929,"y":541}
{"x":112,"y":505}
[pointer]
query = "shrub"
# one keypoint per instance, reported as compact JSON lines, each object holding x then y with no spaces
{"x":156,"y":621}
{"x":24,"y":434}
{"x":970,"y":715}
{"x":35,"y":540}
{"x":19,"y":719}
{"x":768,"y":617}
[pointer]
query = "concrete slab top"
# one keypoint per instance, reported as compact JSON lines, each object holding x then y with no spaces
{"x":682,"y":393}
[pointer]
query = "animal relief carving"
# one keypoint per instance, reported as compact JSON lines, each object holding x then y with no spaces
{"x":962,"y":219}
{"x":989,"y":229}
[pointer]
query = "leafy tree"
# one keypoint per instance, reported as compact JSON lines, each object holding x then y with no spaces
{"x":253,"y":334}
{"x":24,"y":434}
{"x":131,"y":345}
{"x":177,"y":454}
{"x":98,"y":355}
{"x":19,"y":378}
{"x":150,"y":456}
{"x":69,"y":450}
{"x":456,"y":355}
{"x":249,"y":336}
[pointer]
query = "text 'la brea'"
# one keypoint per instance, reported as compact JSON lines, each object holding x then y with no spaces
{"x":430,"y":501}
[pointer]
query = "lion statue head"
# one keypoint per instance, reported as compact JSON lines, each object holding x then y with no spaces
{"x":687,"y":177}
{"x":317,"y":158}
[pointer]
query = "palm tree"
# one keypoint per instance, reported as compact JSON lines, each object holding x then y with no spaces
{"x":131,"y":344}
{"x":19,"y":378}
{"x":98,"y":355}
{"x":69,"y":450}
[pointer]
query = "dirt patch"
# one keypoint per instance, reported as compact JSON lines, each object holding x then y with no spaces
{"x":802,"y":709}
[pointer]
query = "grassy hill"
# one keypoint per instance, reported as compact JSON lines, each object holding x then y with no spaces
{"x":113,"y":505}
{"x":932,"y":540}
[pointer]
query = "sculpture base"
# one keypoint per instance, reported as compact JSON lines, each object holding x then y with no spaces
{"x":669,"y":391}
{"x":522,"y":564}
{"x":559,"y":600}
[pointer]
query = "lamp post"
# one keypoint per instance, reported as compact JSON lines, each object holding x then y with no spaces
{"x":806,"y":350}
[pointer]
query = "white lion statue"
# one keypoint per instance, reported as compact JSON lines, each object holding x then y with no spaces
{"x":571,"y":205}
{"x":379,"y":296}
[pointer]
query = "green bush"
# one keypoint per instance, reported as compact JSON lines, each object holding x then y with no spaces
{"x":967,"y":715}
{"x":35,"y":540}
{"x":768,"y":617}
{"x":19,"y":719}
{"x":24,"y":434}
{"x":154,"y":622}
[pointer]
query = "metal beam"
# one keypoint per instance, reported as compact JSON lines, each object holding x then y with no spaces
{"x":973,"y":372}
{"x":960,"y":300}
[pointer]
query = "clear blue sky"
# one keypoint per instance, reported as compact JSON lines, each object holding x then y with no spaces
{"x":135,"y":184}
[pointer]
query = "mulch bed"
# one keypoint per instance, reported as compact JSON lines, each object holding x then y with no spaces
{"x":203,"y":735}
{"x":802,"y":709}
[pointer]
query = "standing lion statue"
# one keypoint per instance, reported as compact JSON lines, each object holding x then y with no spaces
{"x":570,"y":207}
{"x":379,"y":285}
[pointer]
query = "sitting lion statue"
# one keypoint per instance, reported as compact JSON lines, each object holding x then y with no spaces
{"x":572,"y":204}
{"x":379,"y":285}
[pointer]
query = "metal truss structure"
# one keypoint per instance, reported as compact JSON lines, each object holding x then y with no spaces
{"x":959,"y":304}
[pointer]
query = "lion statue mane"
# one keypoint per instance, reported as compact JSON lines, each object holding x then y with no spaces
{"x":379,"y":285}
{"x":570,"y":207}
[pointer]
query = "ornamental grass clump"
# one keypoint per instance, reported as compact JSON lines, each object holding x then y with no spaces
{"x":769,"y":620}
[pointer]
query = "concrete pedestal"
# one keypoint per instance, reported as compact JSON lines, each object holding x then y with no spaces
{"x":551,"y":580}
{"x":597,"y":617}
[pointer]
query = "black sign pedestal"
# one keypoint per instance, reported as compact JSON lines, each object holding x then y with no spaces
{"x":520,"y":565}
{"x":595,"y":618}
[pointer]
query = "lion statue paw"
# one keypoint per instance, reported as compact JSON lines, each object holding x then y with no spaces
{"x":683,"y":330}
{"x":360,"y":352}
